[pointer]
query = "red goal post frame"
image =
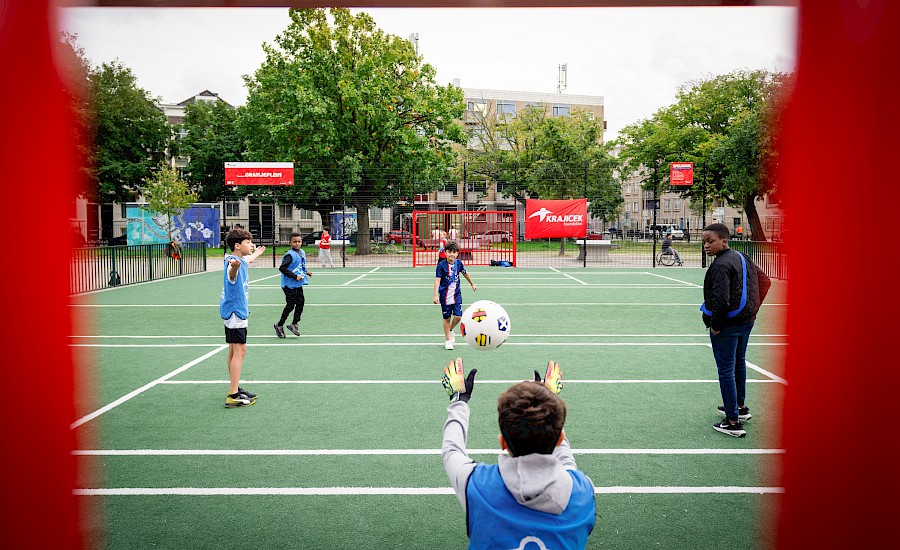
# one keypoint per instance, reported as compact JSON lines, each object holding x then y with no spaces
{"x":477,"y":236}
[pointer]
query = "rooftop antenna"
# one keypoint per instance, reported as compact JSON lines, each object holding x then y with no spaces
{"x":414,"y":38}
{"x":561,"y":79}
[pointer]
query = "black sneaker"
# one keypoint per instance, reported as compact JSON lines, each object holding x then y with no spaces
{"x":293,"y":328}
{"x":734,"y":430}
{"x":279,"y":331}
{"x":238,"y":400}
{"x":247,"y":394}
{"x":743,"y":412}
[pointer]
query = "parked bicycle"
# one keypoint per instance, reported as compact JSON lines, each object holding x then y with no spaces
{"x":384,"y":248}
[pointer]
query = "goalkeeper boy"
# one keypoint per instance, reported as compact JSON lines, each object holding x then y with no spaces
{"x":535,"y":493}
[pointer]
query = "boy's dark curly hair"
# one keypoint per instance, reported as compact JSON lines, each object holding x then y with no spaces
{"x":719,"y":229}
{"x":236,"y":236}
{"x":531,"y":418}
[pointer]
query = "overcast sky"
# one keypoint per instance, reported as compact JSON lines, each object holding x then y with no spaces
{"x":634,"y":57}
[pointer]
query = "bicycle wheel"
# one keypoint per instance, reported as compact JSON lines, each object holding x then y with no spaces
{"x":391,"y":248}
{"x":665,"y":258}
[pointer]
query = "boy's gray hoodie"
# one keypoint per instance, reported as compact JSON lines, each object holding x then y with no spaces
{"x":537,"y":481}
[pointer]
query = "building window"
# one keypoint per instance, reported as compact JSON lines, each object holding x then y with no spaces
{"x":306,"y":214}
{"x":561,"y":109}
{"x":667,"y":204}
{"x":285,"y":211}
{"x":534,"y":105}
{"x":451,"y":187}
{"x":506,"y":108}
{"x":677,"y":204}
{"x":232,"y":209}
{"x":477,"y":106}
{"x":634,"y":207}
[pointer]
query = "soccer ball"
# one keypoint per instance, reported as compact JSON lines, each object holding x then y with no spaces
{"x":485,"y":325}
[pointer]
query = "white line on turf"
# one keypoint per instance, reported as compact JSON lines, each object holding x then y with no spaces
{"x":400,"y":452}
{"x":424,"y":335}
{"x":421,"y":304}
{"x":426,"y":344}
{"x":144,"y":388}
{"x":326,"y":491}
{"x":360,"y":277}
{"x":676,"y":280}
{"x":435,"y":382}
{"x":764,"y":372}
{"x":569,"y":276}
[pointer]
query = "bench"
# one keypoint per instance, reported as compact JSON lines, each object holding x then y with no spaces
{"x":595,"y":249}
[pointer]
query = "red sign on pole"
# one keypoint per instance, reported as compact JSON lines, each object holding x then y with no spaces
{"x":259,"y":173}
{"x":681,"y":174}
{"x":551,"y":219}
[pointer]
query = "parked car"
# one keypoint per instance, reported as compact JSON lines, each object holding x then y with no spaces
{"x":398,"y":236}
{"x":594,"y":236}
{"x":663,"y":228}
{"x":311,"y":238}
{"x":496,"y":236}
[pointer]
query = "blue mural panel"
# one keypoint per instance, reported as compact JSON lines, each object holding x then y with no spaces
{"x":196,"y":224}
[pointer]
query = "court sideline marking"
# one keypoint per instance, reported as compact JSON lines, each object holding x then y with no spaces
{"x":329,"y":491}
{"x":569,"y":276}
{"x":145,"y":387}
{"x":400,"y":452}
{"x":360,"y":277}
{"x":694,"y":285}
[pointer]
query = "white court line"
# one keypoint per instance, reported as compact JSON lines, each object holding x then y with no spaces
{"x":504,"y":285}
{"x":333,"y":491}
{"x":435,"y":382}
{"x":569,"y":276}
{"x":774,"y":377}
{"x":144,"y":388}
{"x":358,"y":278}
{"x":676,"y":280}
{"x":400,"y":452}
{"x":426,"y":304}
{"x":764,"y":372}
{"x":426,"y":344}
{"x":423,"y":335}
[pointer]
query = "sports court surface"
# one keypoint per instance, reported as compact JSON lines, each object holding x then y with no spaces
{"x":342,"y":448}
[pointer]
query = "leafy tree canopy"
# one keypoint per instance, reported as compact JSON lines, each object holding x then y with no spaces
{"x":130,"y":134}
{"x":355,"y":109}
{"x":725,"y":125}
{"x":167,"y":194}
{"x":213,"y":138}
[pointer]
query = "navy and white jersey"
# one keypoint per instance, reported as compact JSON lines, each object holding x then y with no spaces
{"x":448,"y":289}
{"x":293,"y":263}
{"x":235,"y":297}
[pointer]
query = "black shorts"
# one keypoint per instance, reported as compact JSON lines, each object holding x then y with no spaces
{"x":236,"y":335}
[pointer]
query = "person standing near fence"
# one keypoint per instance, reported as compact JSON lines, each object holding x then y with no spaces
{"x":325,"y":248}
{"x":733,"y":291}
{"x":294,"y":276}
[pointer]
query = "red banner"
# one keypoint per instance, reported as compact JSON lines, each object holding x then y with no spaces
{"x":259,"y":173}
{"x":551,"y":219}
{"x":681,"y":174}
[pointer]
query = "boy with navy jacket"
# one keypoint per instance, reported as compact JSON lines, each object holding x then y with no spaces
{"x":294,"y":276}
{"x":536,"y":493}
{"x":733,"y":291}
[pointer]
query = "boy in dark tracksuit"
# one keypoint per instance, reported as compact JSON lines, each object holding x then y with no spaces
{"x":294,"y":276}
{"x":733,"y":291}
{"x":536,"y":493}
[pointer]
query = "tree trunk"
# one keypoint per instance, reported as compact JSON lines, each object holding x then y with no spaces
{"x":363,"y":244}
{"x":756,"y":228}
{"x":562,"y":246}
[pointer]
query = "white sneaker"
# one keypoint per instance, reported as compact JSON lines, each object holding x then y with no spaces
{"x":452,"y":337}
{"x":448,"y":344}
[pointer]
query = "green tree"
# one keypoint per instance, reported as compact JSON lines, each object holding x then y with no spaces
{"x":213,"y":138}
{"x":725,"y":126}
{"x":130,"y":134}
{"x":355,"y":109}
{"x":75,"y":70}
{"x":166,"y":194}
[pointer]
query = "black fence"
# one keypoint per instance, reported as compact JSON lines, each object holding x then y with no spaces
{"x":97,"y":268}
{"x":556,"y":253}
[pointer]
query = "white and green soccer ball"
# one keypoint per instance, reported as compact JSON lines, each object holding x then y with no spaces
{"x":485,"y":325}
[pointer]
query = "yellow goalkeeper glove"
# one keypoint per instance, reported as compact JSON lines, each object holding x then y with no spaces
{"x":553,"y":378}
{"x":457,"y":387}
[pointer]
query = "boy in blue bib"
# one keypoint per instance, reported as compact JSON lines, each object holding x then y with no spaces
{"x":535,"y":493}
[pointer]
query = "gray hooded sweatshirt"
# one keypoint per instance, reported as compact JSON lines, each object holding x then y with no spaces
{"x":537,"y":481}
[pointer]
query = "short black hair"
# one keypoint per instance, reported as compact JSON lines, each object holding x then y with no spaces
{"x":295,"y":234}
{"x":719,"y":229}
{"x":452,"y":247}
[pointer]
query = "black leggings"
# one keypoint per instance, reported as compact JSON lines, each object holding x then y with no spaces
{"x":295,"y":300}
